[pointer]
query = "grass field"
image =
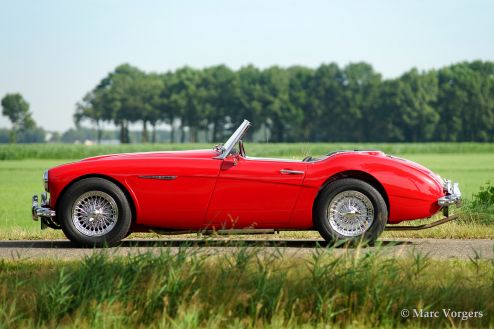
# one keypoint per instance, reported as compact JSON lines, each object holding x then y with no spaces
{"x":292,"y":150}
{"x":247,"y":288}
{"x":20,"y":179}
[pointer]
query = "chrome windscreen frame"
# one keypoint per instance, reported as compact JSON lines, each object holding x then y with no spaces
{"x":233,"y":140}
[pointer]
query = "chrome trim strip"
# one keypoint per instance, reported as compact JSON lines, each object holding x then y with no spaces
{"x":291,"y":172}
{"x":158,"y":177}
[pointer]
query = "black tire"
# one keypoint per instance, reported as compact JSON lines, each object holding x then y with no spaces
{"x":104,"y":187}
{"x":351,"y":185}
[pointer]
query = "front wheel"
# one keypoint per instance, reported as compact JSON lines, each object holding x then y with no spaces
{"x":95,"y":212}
{"x":350,"y":210}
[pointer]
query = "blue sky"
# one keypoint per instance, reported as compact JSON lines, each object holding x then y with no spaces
{"x":53,"y":52}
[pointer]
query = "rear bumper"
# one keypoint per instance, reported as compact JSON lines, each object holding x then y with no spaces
{"x":453,"y":195}
{"x":41,"y":209}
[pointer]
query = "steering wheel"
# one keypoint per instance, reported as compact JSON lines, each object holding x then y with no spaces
{"x":241,"y":148}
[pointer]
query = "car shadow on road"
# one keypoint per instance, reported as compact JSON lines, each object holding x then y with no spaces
{"x":208,"y":243}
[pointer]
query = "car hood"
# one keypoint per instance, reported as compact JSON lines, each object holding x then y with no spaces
{"x":163,"y":154}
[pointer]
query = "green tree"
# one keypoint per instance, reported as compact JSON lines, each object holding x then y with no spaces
{"x":154,"y":101}
{"x":144,"y":100}
{"x":167,"y":110}
{"x":418,"y":92}
{"x":16,"y":108}
{"x":328,"y":98}
{"x":92,"y":107}
{"x":466,"y":102}
{"x":360,"y":92}
{"x":184,"y":98}
{"x":117,"y":98}
{"x":301,"y":98}
{"x":404,"y":110}
{"x":384,"y":123}
{"x":125,"y":100}
{"x":249,"y":98}
{"x":220,"y":96}
{"x":277,"y":111}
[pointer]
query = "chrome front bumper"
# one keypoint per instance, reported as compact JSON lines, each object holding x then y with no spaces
{"x":41,"y":210}
{"x":453,"y":194}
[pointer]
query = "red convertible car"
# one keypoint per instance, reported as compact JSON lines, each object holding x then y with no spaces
{"x":345,"y":195}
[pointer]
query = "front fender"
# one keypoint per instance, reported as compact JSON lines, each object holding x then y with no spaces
{"x":62,"y":177}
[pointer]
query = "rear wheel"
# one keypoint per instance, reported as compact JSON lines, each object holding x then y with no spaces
{"x":350,"y":210}
{"x":95,"y":212}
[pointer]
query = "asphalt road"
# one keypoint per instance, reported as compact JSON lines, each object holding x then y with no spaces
{"x":435,"y":248}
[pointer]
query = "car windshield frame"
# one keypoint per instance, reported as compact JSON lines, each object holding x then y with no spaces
{"x":234,"y":139}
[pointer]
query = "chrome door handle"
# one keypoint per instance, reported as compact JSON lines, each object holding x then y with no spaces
{"x":291,"y":172}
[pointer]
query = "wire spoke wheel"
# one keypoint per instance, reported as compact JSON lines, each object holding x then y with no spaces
{"x":350,"y":213}
{"x":94,"y":213}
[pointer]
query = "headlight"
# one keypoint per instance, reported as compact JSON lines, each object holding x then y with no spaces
{"x":45,"y":180}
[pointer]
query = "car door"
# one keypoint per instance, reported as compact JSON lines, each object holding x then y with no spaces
{"x":174,"y":193}
{"x":255,"y":193}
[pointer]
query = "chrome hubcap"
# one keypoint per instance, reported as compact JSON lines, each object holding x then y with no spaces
{"x":350,"y":213}
{"x":94,"y":213}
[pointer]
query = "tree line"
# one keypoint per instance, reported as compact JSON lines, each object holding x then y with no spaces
{"x":325,"y":104}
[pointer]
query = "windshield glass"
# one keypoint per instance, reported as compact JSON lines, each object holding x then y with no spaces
{"x":235,"y":137}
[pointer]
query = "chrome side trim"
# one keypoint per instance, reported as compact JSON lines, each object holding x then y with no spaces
{"x":158,"y":177}
{"x":291,"y":172}
{"x":213,"y":232}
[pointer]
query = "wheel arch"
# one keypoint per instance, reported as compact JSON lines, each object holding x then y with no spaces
{"x":357,"y":174}
{"x":124,"y":189}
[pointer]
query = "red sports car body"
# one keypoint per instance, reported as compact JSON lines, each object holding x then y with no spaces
{"x":223,"y":188}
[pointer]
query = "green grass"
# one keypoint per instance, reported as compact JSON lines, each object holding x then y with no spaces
{"x":20,"y":179}
{"x":292,"y":150}
{"x":244,"y":288}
